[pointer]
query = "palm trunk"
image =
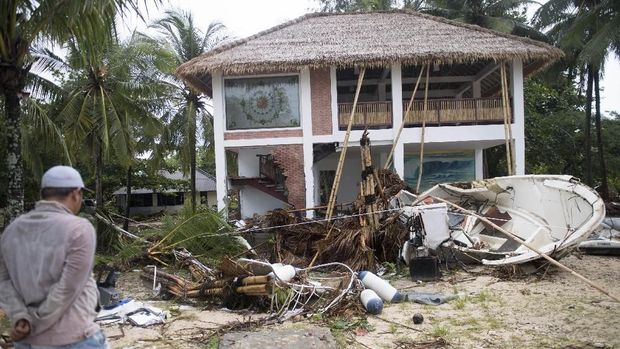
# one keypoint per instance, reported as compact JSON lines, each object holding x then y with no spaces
{"x":588,"y":123}
{"x":127,"y":200}
{"x":193,"y":171}
{"x":599,"y":139}
{"x":14,"y":165}
{"x":98,"y":186}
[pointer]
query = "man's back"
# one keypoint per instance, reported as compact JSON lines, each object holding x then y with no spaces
{"x":48,"y":254}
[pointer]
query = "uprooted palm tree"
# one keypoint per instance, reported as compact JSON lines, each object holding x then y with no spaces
{"x":191,"y":119}
{"x":23,"y":25}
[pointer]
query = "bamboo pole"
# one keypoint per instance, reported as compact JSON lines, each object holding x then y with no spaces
{"x":388,"y":163}
{"x":421,"y":166}
{"x":509,"y":123}
{"x":506,"y":121}
{"x":343,"y":153}
{"x":336,"y":184}
{"x":255,"y":280}
{"x":254,"y":289}
{"x":540,"y":253}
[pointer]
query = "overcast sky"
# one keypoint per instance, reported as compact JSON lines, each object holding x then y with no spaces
{"x":246,"y":17}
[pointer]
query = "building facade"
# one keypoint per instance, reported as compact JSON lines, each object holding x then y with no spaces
{"x":285,"y":110}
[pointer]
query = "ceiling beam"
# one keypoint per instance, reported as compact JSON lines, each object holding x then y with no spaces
{"x":433,"y":79}
{"x":483,"y":73}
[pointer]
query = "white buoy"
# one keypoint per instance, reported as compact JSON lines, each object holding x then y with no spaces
{"x":372,"y":302}
{"x":283,"y":272}
{"x":380,"y":286}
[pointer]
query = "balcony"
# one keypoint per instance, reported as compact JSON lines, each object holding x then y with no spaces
{"x":374,"y":114}
{"x":471,"y":111}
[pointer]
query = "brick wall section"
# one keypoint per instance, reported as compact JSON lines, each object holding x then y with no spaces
{"x":320,"y":87}
{"x":262,"y":134}
{"x":291,"y":159}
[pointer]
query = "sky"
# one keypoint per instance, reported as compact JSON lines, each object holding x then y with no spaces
{"x":247,"y":17}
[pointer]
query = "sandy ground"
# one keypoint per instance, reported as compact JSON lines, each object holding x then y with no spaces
{"x":554,"y":310}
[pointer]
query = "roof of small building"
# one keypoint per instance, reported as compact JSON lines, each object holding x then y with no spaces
{"x":204,"y":182}
{"x":368,"y":38}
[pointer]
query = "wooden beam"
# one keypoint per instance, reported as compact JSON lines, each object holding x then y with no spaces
{"x":486,"y":71}
{"x":432,"y":79}
{"x":406,"y":95}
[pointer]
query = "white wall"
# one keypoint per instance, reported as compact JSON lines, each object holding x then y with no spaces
{"x":248,"y":161}
{"x":254,"y":201}
{"x":351,"y":174}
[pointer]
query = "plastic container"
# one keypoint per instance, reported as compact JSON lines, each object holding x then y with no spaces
{"x":371,"y":302}
{"x":283,"y":272}
{"x":380,"y":286}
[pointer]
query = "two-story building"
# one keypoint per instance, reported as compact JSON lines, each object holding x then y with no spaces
{"x":282,"y":100}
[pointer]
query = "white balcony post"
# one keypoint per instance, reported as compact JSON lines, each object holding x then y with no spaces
{"x":518,"y":128}
{"x":218,"y":136}
{"x":334,"y":99}
{"x":397,"y":119}
{"x":479,"y":163}
{"x":306,"y":124}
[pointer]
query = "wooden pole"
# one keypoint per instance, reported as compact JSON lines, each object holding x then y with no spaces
{"x":506,"y":121}
{"x":421,"y":166}
{"x":336,"y":184}
{"x":519,"y":240}
{"x":388,"y":163}
{"x":509,"y":124}
{"x":343,"y":153}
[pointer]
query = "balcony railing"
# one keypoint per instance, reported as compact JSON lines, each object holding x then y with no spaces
{"x":456,"y":111}
{"x":439,"y":112}
{"x":373,"y":114}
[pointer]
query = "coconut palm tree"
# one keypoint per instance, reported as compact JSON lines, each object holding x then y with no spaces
{"x":178,"y":32}
{"x":113,"y":93}
{"x":507,"y":16}
{"x":23,"y":25}
{"x":588,"y":31}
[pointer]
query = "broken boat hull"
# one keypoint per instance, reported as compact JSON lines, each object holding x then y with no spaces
{"x":550,"y":212}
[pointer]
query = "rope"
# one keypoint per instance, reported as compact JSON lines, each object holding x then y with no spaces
{"x":386,"y":211}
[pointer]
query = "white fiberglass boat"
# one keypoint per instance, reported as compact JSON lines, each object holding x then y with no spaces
{"x":549,"y":212}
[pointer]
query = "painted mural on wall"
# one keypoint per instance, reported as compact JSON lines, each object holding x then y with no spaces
{"x":440,"y":168}
{"x":267,"y":102}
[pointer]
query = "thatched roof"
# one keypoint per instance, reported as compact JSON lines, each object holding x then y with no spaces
{"x":370,"y":38}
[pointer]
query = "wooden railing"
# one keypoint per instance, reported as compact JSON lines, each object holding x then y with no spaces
{"x":439,"y":112}
{"x":373,"y":114}
{"x":456,"y":111}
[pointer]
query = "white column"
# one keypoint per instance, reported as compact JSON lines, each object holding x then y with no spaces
{"x":306,"y":125}
{"x":479,"y":163}
{"x":218,"y":136}
{"x":334,"y":95}
{"x":397,"y":119}
{"x":518,"y":128}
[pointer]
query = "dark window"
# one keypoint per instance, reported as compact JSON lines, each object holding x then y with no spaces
{"x":141,"y":200}
{"x":170,"y":199}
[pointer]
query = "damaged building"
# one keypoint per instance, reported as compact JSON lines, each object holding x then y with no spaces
{"x":282,"y":100}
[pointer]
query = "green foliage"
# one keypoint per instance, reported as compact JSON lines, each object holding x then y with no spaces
{"x":205,"y":234}
{"x":553,"y":128}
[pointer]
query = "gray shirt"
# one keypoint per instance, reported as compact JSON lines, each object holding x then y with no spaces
{"x":46,"y":260}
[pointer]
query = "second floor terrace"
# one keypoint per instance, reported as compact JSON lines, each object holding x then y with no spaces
{"x":458,"y":94}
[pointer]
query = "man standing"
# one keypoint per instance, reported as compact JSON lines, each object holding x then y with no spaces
{"x":46,"y":260}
